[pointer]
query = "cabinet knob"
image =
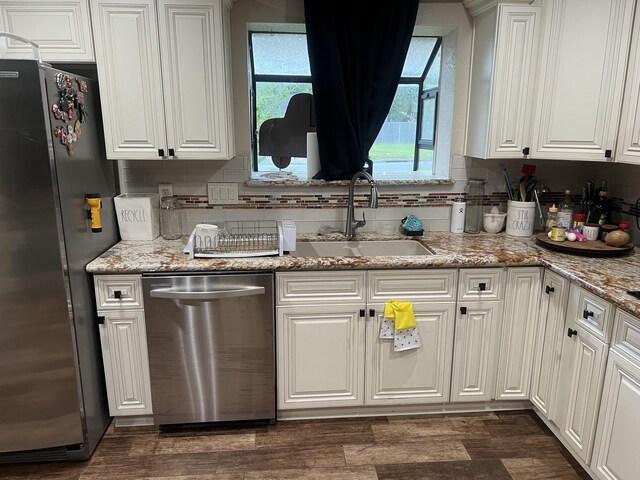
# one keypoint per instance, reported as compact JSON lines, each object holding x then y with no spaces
{"x":549,"y":289}
{"x":525,"y":151}
{"x":362,"y":313}
{"x":172,"y":152}
{"x":372,"y":312}
{"x":607,"y":154}
{"x":117,"y":294}
{"x":463,"y":310}
{"x":100,"y":319}
{"x":161,"y":152}
{"x":586,"y":314}
{"x":482,"y":286}
{"x":571,"y":332}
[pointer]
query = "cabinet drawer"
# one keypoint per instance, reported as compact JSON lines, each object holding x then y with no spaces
{"x":480,"y":284}
{"x":413,"y":285}
{"x":114,"y":292}
{"x":590,"y":311}
{"x":626,"y":335}
{"x":319,"y":287}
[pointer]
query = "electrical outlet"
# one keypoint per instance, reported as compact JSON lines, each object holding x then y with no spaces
{"x":222,"y":193}
{"x":165,"y":190}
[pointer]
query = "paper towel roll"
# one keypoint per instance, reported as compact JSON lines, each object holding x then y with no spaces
{"x":313,"y":156}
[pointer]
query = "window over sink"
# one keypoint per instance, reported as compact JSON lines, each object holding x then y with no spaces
{"x":406,"y":145}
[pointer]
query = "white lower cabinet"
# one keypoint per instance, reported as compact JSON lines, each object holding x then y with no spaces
{"x":320,"y":356}
{"x":616,"y":453}
{"x":419,"y":375}
{"x":123,"y":339}
{"x":550,"y":329}
{"x":126,"y":362}
{"x":330,"y":353}
{"x":475,"y":351}
{"x":519,"y":320}
{"x":579,"y":388}
{"x":480,"y":291}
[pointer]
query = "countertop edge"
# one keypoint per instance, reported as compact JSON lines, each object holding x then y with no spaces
{"x":608,"y":278}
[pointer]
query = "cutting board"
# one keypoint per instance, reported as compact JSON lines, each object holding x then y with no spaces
{"x":593,"y":248}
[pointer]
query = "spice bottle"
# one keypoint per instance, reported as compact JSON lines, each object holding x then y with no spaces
{"x":552,"y":218}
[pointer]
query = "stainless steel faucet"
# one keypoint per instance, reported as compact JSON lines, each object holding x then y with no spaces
{"x":352,"y":223}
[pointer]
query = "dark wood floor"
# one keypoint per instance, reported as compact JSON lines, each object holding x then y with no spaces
{"x":491,"y":446}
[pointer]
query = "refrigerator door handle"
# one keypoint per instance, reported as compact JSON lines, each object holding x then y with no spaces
{"x":211,"y":295}
{"x":34,"y":46}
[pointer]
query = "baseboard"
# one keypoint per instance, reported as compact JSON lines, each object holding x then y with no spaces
{"x":372,"y":411}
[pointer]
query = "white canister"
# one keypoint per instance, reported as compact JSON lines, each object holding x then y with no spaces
{"x":521,"y":217}
{"x":206,"y":236}
{"x":457,"y":216}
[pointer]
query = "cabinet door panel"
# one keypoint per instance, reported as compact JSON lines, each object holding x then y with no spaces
{"x":516,"y":61}
{"x":548,"y":345}
{"x":519,"y":318}
{"x":128,"y":60}
{"x":474,"y":356}
{"x":579,"y":388}
{"x":579,"y":98}
{"x":61,"y":29}
{"x":320,"y":354}
{"x":628,"y":149}
{"x":193,"y":64}
{"x":615,"y":453}
{"x":419,"y":375}
{"x":126,"y":362}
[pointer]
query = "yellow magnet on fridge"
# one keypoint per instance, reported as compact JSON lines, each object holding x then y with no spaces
{"x":94,"y":200}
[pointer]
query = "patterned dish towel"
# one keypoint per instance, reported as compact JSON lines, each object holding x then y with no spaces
{"x":399,"y":323}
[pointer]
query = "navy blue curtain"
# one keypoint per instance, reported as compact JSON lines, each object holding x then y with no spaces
{"x":356,"y":51}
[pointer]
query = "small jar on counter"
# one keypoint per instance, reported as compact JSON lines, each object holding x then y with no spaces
{"x":605,"y":229}
{"x":625,"y":227}
{"x":578,"y":221}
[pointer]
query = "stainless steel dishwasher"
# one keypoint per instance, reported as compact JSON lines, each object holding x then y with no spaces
{"x":211,"y":347}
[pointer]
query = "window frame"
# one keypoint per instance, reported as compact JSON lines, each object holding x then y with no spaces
{"x":423,"y":94}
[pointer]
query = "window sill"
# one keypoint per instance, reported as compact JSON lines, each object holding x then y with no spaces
{"x":410,"y":180}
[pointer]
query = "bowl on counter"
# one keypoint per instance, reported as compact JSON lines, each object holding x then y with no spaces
{"x":493,"y":222}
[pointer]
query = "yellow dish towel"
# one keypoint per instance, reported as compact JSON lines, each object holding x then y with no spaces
{"x":402,"y":314}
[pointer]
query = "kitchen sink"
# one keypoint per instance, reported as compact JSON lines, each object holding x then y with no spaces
{"x":360,"y":248}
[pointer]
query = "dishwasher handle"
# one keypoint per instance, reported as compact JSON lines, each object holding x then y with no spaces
{"x":210,"y":295}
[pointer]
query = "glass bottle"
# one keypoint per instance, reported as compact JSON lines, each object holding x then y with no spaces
{"x":599,"y":211}
{"x":565,"y":211}
{"x":474,"y":190}
{"x":552,"y":218}
{"x":170,"y":219}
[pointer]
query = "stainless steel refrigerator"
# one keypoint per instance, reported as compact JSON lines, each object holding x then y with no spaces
{"x":52,"y":394}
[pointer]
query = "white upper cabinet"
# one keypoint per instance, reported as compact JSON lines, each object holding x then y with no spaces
{"x":62,"y":29}
{"x":130,"y":78}
{"x":165,"y":78}
{"x":628,"y":149}
{"x":505,"y":52}
{"x":582,"y":70}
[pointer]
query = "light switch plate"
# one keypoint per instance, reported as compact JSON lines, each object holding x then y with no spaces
{"x":222,"y":193}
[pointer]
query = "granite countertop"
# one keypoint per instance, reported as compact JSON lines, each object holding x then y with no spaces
{"x":609,"y":278}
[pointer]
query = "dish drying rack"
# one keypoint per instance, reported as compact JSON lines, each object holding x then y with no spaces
{"x":240,"y":239}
